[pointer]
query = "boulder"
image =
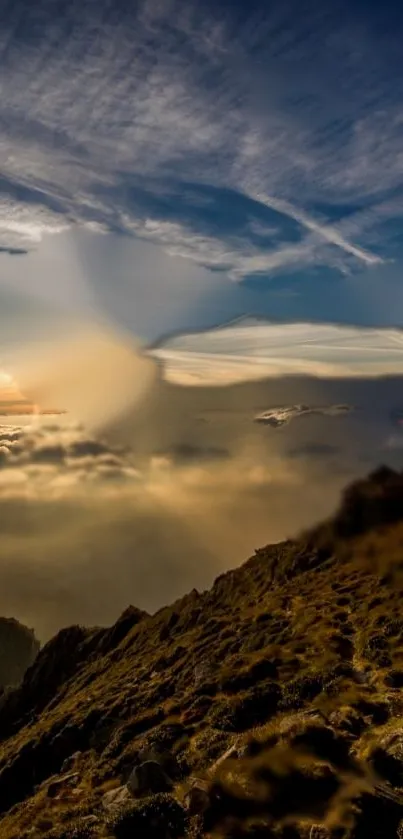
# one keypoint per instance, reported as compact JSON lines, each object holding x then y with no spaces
{"x":163,"y":756}
{"x":197,"y":798}
{"x":148,"y":778}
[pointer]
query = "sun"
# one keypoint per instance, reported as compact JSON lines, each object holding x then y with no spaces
{"x":13,"y":401}
{"x":5,"y":379}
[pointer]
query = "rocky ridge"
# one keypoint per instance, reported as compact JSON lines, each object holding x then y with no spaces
{"x":18,"y":650}
{"x":269,"y":706}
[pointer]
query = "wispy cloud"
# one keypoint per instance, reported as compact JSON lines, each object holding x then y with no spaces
{"x":118,"y":119}
{"x":327,"y":232}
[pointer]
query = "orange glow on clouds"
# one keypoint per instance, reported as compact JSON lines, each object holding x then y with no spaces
{"x":12,"y":400}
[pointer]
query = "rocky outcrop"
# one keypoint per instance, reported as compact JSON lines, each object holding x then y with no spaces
{"x":18,"y":650}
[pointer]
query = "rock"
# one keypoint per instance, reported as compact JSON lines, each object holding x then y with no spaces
{"x":156,"y":817}
{"x":67,"y":742}
{"x":89,"y":820}
{"x":378,"y":814}
{"x":71,"y":761}
{"x":229,"y":754}
{"x":55,"y":785}
{"x":168,"y":762}
{"x":319,"y":831}
{"x":147,"y":778}
{"x":387,"y":758}
{"x":348,"y":721}
{"x":377,"y":711}
{"x":18,"y":650}
{"x":115,"y":798}
{"x":387,"y":766}
{"x":197,"y":798}
{"x":85,"y":828}
{"x":394,"y":679}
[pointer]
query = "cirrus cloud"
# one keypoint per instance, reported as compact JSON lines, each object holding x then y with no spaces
{"x":168,"y":126}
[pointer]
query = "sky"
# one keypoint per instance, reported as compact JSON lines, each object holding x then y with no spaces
{"x":201,"y":208}
{"x":229,"y":159}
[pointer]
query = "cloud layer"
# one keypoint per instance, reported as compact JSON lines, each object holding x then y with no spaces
{"x":175,"y":493}
{"x":49,"y":458}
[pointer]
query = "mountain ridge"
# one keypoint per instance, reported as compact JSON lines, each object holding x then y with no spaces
{"x":307,"y":629}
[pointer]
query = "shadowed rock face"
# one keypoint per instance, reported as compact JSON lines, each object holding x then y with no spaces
{"x":290,"y":667}
{"x":18,"y":650}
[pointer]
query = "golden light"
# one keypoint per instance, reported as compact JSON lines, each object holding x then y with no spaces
{"x":13,"y":401}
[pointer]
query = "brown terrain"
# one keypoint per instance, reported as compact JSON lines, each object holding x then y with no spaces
{"x":269,"y":706}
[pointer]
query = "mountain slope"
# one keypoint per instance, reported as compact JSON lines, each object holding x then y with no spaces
{"x":295,"y":659}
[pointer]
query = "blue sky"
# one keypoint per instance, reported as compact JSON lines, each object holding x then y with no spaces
{"x":172,"y":165}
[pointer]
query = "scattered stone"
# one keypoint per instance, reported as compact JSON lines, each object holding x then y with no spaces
{"x":85,"y":828}
{"x":89,"y":819}
{"x":147,"y":778}
{"x":115,"y":798}
{"x":71,"y":762}
{"x":348,"y":720}
{"x":197,"y":798}
{"x":55,"y":785}
{"x":319,"y":831}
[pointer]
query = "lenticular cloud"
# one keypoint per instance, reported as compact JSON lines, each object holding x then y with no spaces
{"x":252,"y":350}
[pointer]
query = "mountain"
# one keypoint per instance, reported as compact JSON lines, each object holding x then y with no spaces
{"x":271,"y":705}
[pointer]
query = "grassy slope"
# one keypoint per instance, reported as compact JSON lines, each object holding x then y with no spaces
{"x":311,"y":624}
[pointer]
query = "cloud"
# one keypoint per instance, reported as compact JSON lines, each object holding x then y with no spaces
{"x":14,"y":251}
{"x":168,"y":126}
{"x":251,"y":349}
{"x":276,"y":417}
{"x":53,"y":458}
{"x":92,"y":372}
{"x":190,"y":453}
{"x":327,"y":232}
{"x":315,"y":450}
